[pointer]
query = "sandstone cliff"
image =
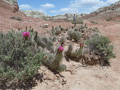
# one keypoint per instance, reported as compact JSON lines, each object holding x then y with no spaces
{"x":34,"y":14}
{"x":9,"y":5}
{"x":109,"y":12}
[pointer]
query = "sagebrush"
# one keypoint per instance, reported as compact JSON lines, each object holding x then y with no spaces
{"x":100,"y":45}
{"x":18,"y":57}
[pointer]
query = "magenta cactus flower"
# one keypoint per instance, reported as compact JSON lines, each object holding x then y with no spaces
{"x":61,"y":48}
{"x":81,"y":45}
{"x":26,"y":34}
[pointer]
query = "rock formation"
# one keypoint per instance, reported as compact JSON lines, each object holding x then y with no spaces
{"x":34,"y":14}
{"x":107,"y":12}
{"x":10,"y":5}
{"x":10,"y":1}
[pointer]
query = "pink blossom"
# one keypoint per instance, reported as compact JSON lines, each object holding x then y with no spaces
{"x":61,"y":48}
{"x":81,"y":45}
{"x":26,"y":34}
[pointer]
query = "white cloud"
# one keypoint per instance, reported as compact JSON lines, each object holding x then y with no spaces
{"x":85,"y":6}
{"x":54,"y":11}
{"x":25,"y":6}
{"x":75,"y":6}
{"x":47,"y":5}
{"x":108,"y":2}
{"x":64,"y":9}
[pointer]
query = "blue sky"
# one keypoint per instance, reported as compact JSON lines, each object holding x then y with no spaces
{"x":55,"y":7}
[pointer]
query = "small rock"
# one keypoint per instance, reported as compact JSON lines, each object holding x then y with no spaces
{"x":30,"y":20}
{"x":45,"y":26}
{"x":94,"y":22}
{"x":63,"y":81}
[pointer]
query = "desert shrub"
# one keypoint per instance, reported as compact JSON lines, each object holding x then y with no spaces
{"x":76,"y":35}
{"x":108,"y":19}
{"x":56,"y":30}
{"x":48,"y":42}
{"x":16,"y":18}
{"x":53,"y":39}
{"x":44,"y":18}
{"x":62,"y":40}
{"x":30,"y":29}
{"x":42,"y":41}
{"x":76,"y":29}
{"x":52,"y":49}
{"x":78,"y":21}
{"x":45,"y":39}
{"x":81,"y":27}
{"x":38,"y":40}
{"x":53,"y":31}
{"x":70,"y":31}
{"x":94,"y":22}
{"x":95,"y":29}
{"x":100,"y":45}
{"x":61,"y":28}
{"x":61,"y":68}
{"x":18,"y":57}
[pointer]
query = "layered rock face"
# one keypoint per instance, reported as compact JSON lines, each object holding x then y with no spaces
{"x":34,"y":14}
{"x":106,"y":12}
{"x":41,"y":15}
{"x":10,"y":1}
{"x":10,"y":5}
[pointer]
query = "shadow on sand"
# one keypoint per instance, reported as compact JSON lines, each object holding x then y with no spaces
{"x":27,"y":85}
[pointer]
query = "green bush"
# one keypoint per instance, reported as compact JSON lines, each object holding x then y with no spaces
{"x":100,"y":45}
{"x":95,"y":29}
{"x":109,"y":19}
{"x":76,"y":35}
{"x":53,"y":39}
{"x":78,"y":21}
{"x":18,"y":57}
{"x":48,"y":42}
{"x":62,"y":40}
{"x":61,"y":28}
{"x":44,"y":18}
{"x":56,"y":30}
{"x":16,"y":18}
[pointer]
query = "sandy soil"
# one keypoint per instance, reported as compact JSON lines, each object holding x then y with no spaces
{"x":81,"y":77}
{"x":88,"y":77}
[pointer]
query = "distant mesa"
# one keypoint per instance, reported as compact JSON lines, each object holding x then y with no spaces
{"x":34,"y":14}
{"x":41,"y":15}
{"x":107,"y":13}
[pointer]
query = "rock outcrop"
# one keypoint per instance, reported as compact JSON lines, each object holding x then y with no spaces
{"x":10,"y":1}
{"x":41,"y":15}
{"x":66,"y":17}
{"x":10,"y":5}
{"x":34,"y":14}
{"x":108,"y":12}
